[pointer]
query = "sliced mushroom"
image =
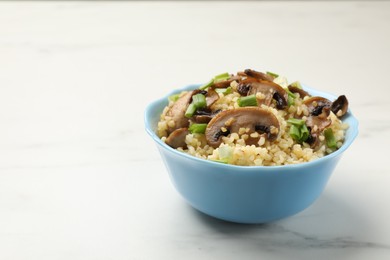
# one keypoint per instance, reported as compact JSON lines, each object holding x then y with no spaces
{"x":225,"y":83}
{"x":317,"y":123}
{"x":269,"y":89}
{"x":178,"y":138}
{"x":340,"y":106}
{"x":204,"y":116}
{"x":211,"y":97}
{"x":258,"y":75}
{"x":245,"y":85}
{"x":313,"y":140}
{"x":230,"y":121}
{"x":178,"y":110}
{"x":317,"y":104}
{"x":300,"y":91}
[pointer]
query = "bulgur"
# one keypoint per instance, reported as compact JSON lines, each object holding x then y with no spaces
{"x":253,"y":146}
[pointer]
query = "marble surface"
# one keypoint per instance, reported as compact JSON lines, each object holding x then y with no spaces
{"x":80,"y":178}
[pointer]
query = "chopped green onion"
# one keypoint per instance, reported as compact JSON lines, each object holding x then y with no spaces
{"x":330,"y":139}
{"x":197,"y":128}
{"x":272,"y":74}
{"x":304,"y":133}
{"x":295,"y":133}
{"x":296,"y":84}
{"x":208,"y":84}
{"x":190,"y":110}
{"x":296,"y":121}
{"x":290,"y":100}
{"x":199,"y":100}
{"x":224,"y":91}
{"x":298,"y":130}
{"x":174,"y":97}
{"x":247,"y":101}
{"x":215,"y":79}
{"x":221,"y":77}
{"x":290,"y":97}
{"x":221,"y":161}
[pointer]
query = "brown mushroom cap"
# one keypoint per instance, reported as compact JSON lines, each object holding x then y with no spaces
{"x":255,"y":118}
{"x":211,"y":97}
{"x":178,"y":110}
{"x":271,"y":91}
{"x":317,"y":123}
{"x":225,"y":83}
{"x":340,"y":106}
{"x":300,"y":91}
{"x":204,"y":116}
{"x":177,"y":138}
{"x":258,"y":75}
{"x":245,"y":85}
{"x":313,"y":140}
{"x":317,"y":104}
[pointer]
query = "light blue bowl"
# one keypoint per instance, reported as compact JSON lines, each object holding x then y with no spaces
{"x":246,"y":194}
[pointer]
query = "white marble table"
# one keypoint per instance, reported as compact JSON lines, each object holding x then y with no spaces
{"x":79,"y":177}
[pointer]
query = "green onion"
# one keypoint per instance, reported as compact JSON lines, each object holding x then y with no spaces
{"x":272,"y":74}
{"x":208,"y":84}
{"x":197,"y":128}
{"x":215,"y":79}
{"x":199,"y":100}
{"x":221,"y":161}
{"x":295,"y":133}
{"x":247,"y":101}
{"x":290,"y":100}
{"x":290,"y":97}
{"x":174,"y":97}
{"x":190,"y":110}
{"x":296,"y":121}
{"x":224,"y":91}
{"x":296,"y":84}
{"x":221,"y":77}
{"x":330,"y":139}
{"x":304,"y":133}
{"x":298,"y":130}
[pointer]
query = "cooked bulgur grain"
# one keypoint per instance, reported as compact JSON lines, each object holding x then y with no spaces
{"x":252,"y":145}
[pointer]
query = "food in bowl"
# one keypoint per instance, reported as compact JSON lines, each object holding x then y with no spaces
{"x":253,"y":119}
{"x":246,"y":194}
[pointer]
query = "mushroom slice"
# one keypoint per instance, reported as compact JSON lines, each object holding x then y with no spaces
{"x":204,"y":116}
{"x":178,"y":110}
{"x":271,"y":91}
{"x":317,"y":104}
{"x":225,"y":83}
{"x":258,"y":75}
{"x":313,"y":140}
{"x":300,"y":91}
{"x":317,"y":123}
{"x":245,"y":85}
{"x":211,"y":97}
{"x":178,"y":138}
{"x":230,"y":121}
{"x":340,"y":106}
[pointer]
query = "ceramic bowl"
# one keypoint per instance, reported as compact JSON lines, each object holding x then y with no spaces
{"x":246,"y":194}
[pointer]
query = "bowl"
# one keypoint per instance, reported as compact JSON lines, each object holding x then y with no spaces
{"x":246,"y":194}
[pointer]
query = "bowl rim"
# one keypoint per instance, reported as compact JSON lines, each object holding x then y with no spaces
{"x":353,"y":131}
